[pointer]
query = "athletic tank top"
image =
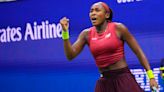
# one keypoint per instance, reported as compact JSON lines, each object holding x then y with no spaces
{"x":105,"y":47}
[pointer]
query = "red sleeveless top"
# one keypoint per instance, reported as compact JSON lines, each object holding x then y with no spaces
{"x":106,"y":47}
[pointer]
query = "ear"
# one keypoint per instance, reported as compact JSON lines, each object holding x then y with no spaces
{"x":107,"y":15}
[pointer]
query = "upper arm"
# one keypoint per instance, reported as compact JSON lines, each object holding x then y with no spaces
{"x":129,"y":38}
{"x":80,"y":42}
{"x":132,"y":43}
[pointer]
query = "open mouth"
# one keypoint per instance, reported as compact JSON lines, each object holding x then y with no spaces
{"x":93,"y":19}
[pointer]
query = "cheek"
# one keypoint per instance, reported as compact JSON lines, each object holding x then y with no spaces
{"x":101,"y":16}
{"x":101,"y":19}
{"x":89,"y":14}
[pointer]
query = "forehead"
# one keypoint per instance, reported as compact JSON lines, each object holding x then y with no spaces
{"x":97,"y":5}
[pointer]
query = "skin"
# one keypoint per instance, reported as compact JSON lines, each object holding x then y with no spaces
{"x":98,"y":16}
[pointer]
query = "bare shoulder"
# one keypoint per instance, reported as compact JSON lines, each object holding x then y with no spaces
{"x":84,"y":33}
{"x":120,"y":26}
{"x":122,"y":31}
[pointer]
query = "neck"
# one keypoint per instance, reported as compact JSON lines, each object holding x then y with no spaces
{"x":102,"y":27}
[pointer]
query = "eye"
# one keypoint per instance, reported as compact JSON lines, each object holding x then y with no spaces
{"x":97,"y":10}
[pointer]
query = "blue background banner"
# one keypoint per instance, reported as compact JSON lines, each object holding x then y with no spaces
{"x":35,"y":62}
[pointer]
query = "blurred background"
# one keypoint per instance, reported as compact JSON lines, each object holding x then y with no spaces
{"x":35,"y":62}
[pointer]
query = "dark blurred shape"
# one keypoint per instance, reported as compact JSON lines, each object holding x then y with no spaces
{"x":162,"y":68}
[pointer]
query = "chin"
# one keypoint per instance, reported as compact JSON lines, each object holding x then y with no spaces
{"x":95,"y":24}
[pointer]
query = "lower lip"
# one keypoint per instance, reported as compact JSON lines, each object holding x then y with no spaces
{"x":93,"y":21}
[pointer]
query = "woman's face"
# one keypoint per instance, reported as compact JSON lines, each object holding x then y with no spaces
{"x":97,"y":14}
